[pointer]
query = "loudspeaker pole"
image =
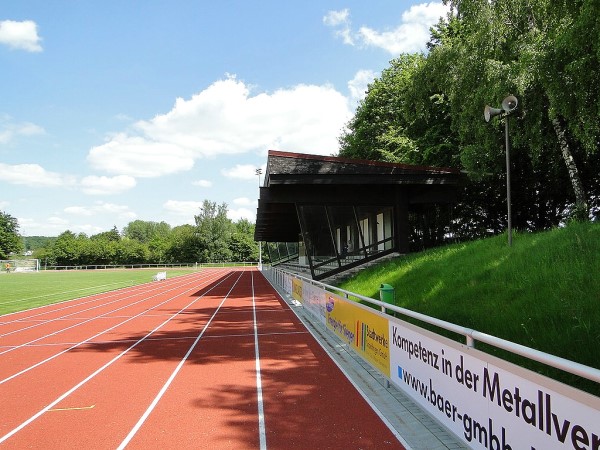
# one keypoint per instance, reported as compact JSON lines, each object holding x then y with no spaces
{"x":508,"y":202}
{"x":509,"y":104}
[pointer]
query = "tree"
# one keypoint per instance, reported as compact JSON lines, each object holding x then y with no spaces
{"x":146,"y":231}
{"x":213,"y":231}
{"x":10,"y":240}
{"x":242,"y":245}
{"x":428,"y":110}
{"x":110,"y":236}
{"x":183,"y":245}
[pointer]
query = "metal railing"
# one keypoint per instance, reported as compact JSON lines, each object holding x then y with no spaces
{"x":151,"y":266}
{"x":471,"y":336}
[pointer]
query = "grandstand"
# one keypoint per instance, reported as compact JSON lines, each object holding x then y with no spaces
{"x":19,"y":265}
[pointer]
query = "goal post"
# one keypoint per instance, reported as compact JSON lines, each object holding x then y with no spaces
{"x":19,"y":265}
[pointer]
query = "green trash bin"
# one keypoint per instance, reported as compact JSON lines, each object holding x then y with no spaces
{"x":387,"y":294}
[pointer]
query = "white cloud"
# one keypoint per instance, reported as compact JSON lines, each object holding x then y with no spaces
{"x":335,"y":18}
{"x":4,"y":204}
{"x":95,"y":185}
{"x":79,"y":211}
{"x":359,"y":84}
{"x":100,"y":208}
{"x":242,"y":213}
{"x":20,"y":35}
{"x":183,"y":208}
{"x":202,"y":183}
{"x":51,"y":226}
{"x":341,"y":20}
{"x":241,"y":172}
{"x":140,"y":157}
{"x":244,"y":201}
{"x":33,"y":175}
{"x":9,"y":129}
{"x":410,"y":36}
{"x":226,"y":119}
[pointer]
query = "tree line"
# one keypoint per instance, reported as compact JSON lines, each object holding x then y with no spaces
{"x":427,"y":109}
{"x":213,"y":238}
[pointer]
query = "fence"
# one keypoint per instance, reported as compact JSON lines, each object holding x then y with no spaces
{"x":151,"y":266}
{"x":485,"y":401}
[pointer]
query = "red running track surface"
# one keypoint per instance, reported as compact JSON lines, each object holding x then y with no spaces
{"x":215,"y":360}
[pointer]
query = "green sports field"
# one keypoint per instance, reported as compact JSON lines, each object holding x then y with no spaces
{"x":19,"y":291}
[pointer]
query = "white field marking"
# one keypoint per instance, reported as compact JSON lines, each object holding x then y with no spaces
{"x":261,"y":411}
{"x":50,"y":358}
{"x":90,"y":319}
{"x":162,"y":391}
{"x":91,"y":298}
{"x":101,"y":369}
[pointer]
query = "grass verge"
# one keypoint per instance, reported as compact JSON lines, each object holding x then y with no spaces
{"x":543,"y":292}
{"x":20,"y":291}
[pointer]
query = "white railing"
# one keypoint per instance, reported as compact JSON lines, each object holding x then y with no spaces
{"x":151,"y":266}
{"x":471,"y":336}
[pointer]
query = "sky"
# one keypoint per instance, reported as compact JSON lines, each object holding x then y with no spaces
{"x":119,"y":110}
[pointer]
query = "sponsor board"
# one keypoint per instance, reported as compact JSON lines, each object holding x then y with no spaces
{"x":314,"y":300}
{"x":297,"y":289}
{"x":365,"y":331}
{"x":487,"y":402}
{"x":287,"y":283}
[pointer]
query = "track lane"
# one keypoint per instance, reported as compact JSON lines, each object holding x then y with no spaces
{"x":72,"y":367}
{"x":94,"y":328}
{"x":212,"y":399}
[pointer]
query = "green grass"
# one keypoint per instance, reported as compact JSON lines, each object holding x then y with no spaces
{"x":543,"y":292}
{"x":20,"y":291}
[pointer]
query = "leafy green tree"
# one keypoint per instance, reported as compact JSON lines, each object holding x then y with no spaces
{"x":242,"y":245}
{"x":183,"y":245}
{"x":213,"y":231}
{"x":427,"y":109}
{"x":146,"y":231}
{"x":110,"y":236}
{"x":10,"y":240}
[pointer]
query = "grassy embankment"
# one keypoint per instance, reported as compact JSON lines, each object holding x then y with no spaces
{"x":543,"y":292}
{"x":19,"y":291}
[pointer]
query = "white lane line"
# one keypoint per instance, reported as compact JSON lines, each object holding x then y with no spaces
{"x":150,"y":408}
{"x":50,"y":358}
{"x":101,"y":369}
{"x":259,"y":394}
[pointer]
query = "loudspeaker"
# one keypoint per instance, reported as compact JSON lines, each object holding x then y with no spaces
{"x":510,"y":103}
{"x":489,"y":112}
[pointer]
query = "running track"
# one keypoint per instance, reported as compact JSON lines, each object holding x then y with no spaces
{"x":214,"y":359}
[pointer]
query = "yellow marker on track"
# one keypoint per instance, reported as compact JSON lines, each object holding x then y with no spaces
{"x":72,"y":409}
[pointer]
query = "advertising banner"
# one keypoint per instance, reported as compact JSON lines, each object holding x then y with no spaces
{"x":314,"y":301}
{"x":364,"y":330}
{"x":297,"y":289}
{"x":487,"y":402}
{"x":287,"y":283}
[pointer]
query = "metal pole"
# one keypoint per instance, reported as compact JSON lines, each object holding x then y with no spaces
{"x":508,"y":180}
{"x":258,"y":172}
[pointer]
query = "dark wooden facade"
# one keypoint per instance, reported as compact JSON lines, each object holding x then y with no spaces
{"x":342,"y":203}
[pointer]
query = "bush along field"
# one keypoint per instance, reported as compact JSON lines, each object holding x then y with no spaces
{"x":543,"y":292}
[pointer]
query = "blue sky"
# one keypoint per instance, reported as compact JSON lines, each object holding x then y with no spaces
{"x":116,"y":110}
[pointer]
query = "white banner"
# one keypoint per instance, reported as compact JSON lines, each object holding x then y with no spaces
{"x":487,"y":402}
